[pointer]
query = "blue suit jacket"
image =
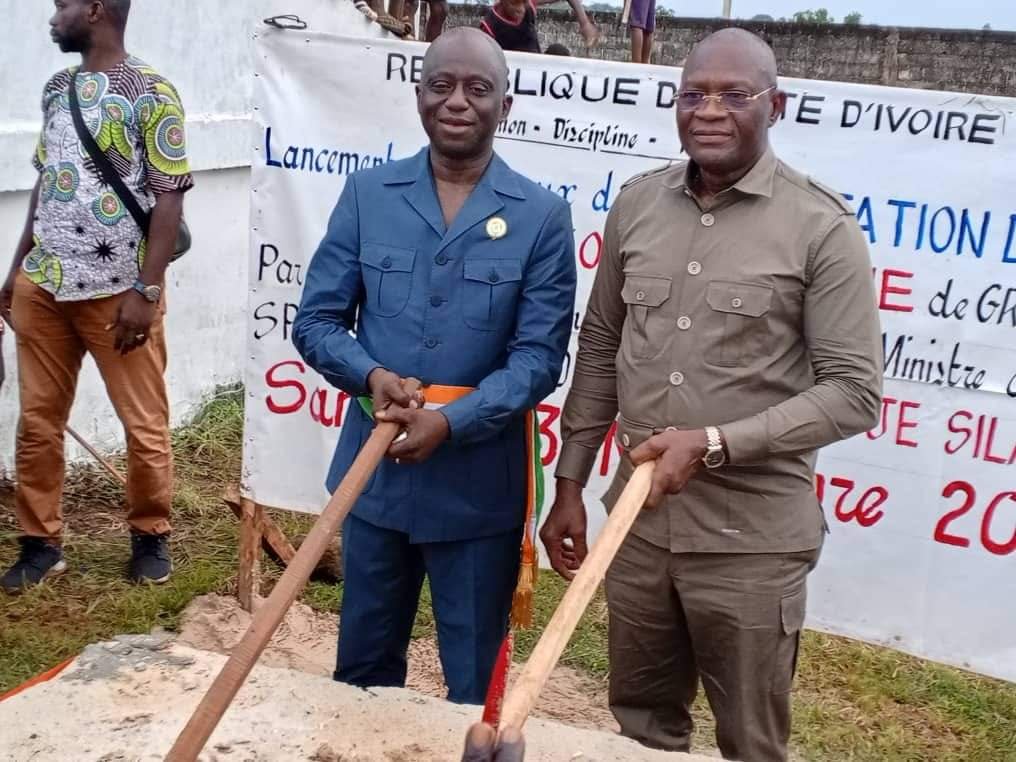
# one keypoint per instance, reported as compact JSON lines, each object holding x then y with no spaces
{"x":448,"y":306}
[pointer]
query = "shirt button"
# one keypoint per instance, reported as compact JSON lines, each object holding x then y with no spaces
{"x":736,"y":302}
{"x":708,"y":220}
{"x":493,"y":277}
{"x":441,"y":259}
{"x":430,"y":343}
{"x":436,"y":301}
{"x":684,"y":322}
{"x":386,"y":262}
{"x":676,"y":378}
{"x":640,"y":295}
{"x":626,"y":440}
{"x":694,"y":268}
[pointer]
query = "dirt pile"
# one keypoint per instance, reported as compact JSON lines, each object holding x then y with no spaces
{"x":127,"y":700}
{"x":306,"y":642}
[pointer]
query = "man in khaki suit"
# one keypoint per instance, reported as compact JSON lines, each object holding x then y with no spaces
{"x":733,"y":327}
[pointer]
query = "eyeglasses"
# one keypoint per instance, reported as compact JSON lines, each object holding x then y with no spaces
{"x":692,"y":100}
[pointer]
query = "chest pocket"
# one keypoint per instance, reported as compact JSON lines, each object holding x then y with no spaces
{"x":387,"y":273}
{"x":739,"y":331}
{"x":645,"y":331}
{"x":490,"y":292}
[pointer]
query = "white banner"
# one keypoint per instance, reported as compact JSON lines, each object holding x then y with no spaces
{"x":922,"y":555}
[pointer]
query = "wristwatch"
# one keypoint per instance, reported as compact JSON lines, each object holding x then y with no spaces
{"x":714,"y":457}
{"x":151,"y":293}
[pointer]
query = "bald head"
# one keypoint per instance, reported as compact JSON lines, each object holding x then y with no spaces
{"x":478,"y":48}
{"x":735,"y":50}
{"x":728,"y":102}
{"x":462,"y":95}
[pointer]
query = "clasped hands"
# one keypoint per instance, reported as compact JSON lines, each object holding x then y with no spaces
{"x":423,"y":430}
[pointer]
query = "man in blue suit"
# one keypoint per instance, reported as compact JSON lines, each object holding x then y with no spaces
{"x":456,"y":270}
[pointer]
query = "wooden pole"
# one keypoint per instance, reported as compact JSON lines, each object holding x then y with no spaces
{"x":248,"y":581}
{"x":523,"y":694}
{"x":110,"y":469}
{"x":268,"y":617}
{"x":626,"y":12}
{"x":726,"y":8}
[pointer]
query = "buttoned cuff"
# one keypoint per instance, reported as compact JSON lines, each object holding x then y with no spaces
{"x":747,"y":440}
{"x":461,"y":417}
{"x":575,"y":462}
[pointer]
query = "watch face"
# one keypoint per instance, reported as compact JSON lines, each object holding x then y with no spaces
{"x":714,"y":458}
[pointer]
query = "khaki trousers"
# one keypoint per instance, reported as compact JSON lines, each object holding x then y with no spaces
{"x":732,"y":621}
{"x":52,"y":339}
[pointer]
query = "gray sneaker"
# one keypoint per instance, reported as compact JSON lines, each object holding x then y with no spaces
{"x":150,"y":560}
{"x":38,"y":561}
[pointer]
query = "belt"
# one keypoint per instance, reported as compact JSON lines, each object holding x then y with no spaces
{"x":435,"y":397}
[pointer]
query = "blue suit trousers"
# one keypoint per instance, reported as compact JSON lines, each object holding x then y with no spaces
{"x":471,"y":585}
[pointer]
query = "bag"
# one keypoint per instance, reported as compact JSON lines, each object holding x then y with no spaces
{"x":114,"y":181}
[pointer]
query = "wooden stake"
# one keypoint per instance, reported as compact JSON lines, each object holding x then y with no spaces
{"x":268,"y":617}
{"x":273,"y":540}
{"x":248,"y":583}
{"x":626,"y":13}
{"x":523,"y":694}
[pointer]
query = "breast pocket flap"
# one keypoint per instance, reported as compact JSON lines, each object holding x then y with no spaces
{"x":645,"y":290}
{"x":748,"y":299}
{"x":493,"y":271}
{"x":387,"y":258}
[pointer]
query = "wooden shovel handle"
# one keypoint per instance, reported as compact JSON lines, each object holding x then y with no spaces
{"x":523,"y":694}
{"x":267,"y":618}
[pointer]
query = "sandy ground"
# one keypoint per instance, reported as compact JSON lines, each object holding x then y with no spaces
{"x":127,"y":699}
{"x":306,"y":642}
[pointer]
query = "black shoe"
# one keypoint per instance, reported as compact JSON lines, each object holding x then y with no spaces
{"x":150,"y":558}
{"x":37,"y":561}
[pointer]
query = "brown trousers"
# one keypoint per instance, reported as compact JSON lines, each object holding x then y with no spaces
{"x":732,"y":621}
{"x":52,"y":339}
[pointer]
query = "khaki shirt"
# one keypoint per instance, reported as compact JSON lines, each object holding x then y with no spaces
{"x":757,"y":315}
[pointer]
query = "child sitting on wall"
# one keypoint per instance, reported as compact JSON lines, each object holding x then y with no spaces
{"x":513,"y":24}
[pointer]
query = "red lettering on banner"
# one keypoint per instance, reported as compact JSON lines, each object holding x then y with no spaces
{"x":552,"y":413}
{"x":326,"y":407}
{"x":998,"y":548}
{"x":888,"y":289}
{"x":952,"y":424}
{"x":610,"y":445}
{"x":905,"y":424}
{"x":590,"y":250}
{"x":866,"y":511}
{"x":943,"y":536}
{"x":273,"y":382}
{"x":982,"y":432}
{"x":901,"y":422}
{"x":319,"y":407}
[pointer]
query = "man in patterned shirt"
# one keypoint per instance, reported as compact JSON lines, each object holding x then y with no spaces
{"x":86,"y":279}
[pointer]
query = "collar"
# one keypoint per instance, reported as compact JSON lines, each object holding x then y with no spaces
{"x":758,"y":181}
{"x":498,"y":176}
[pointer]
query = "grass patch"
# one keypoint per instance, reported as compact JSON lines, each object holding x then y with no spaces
{"x":853,"y":701}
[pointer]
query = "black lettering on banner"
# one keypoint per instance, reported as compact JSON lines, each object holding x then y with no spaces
{"x":665,"y":94}
{"x":624,"y":95}
{"x":851,"y":113}
{"x":806,"y":113}
{"x":979,"y":126}
{"x":396,"y":68}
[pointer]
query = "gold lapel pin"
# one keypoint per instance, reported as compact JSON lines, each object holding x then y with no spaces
{"x":497,"y":228}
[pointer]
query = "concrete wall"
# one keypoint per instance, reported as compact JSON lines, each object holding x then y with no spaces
{"x":936,"y":59}
{"x":204,"y":48}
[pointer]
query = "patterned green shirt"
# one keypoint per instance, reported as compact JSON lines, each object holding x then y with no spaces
{"x":87,"y":245}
